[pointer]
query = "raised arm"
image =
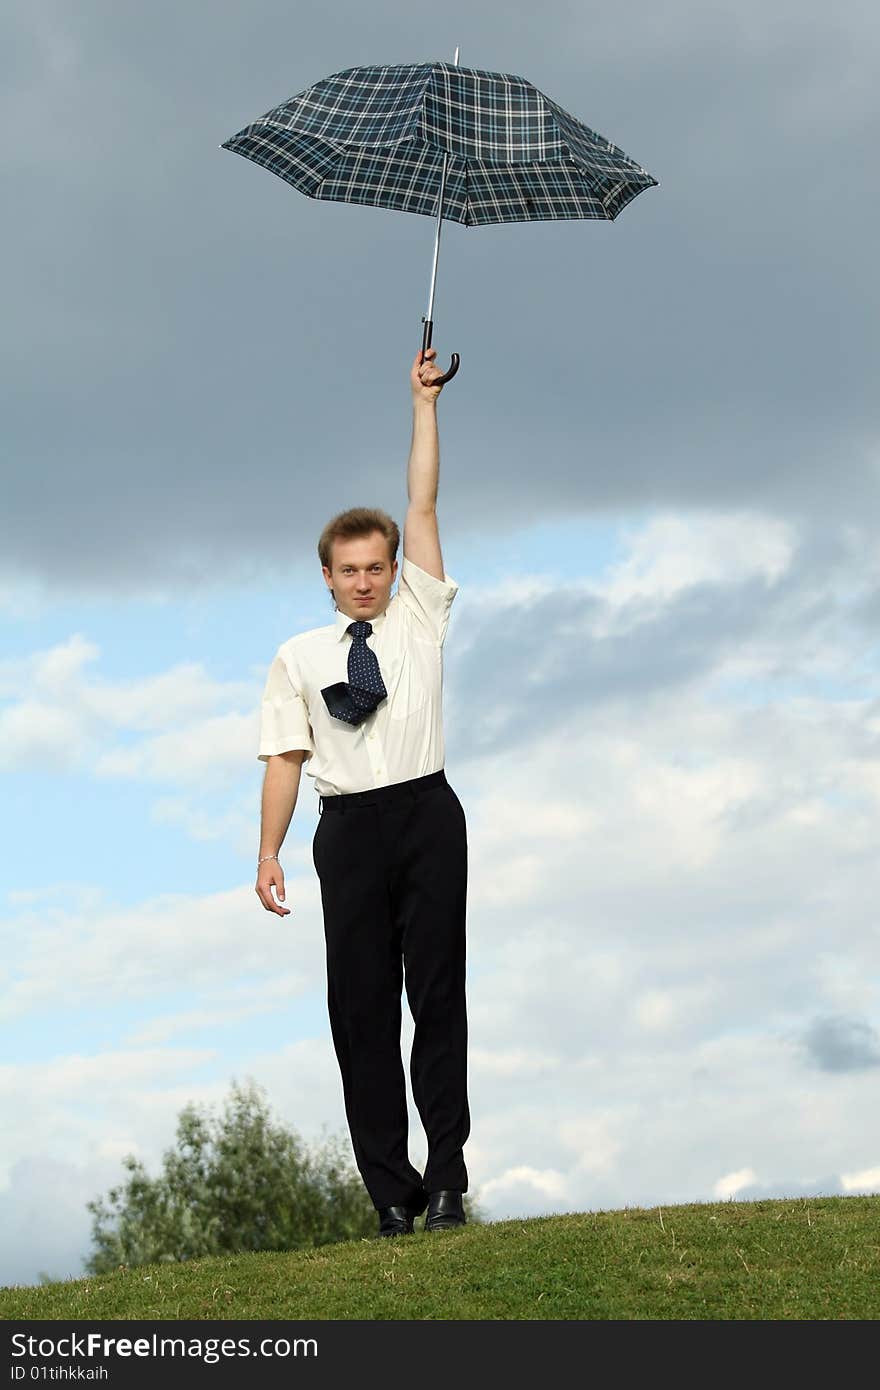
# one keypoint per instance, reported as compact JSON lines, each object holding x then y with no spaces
{"x":421,"y":537}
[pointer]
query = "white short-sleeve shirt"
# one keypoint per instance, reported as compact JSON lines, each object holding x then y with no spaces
{"x":403,"y":737}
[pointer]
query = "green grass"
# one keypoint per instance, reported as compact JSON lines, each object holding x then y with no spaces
{"x":799,"y":1258}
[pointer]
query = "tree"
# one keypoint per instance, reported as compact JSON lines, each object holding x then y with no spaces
{"x":231,"y":1184}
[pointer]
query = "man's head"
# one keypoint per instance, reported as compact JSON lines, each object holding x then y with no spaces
{"x":358,"y":552}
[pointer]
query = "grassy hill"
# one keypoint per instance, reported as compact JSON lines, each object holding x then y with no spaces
{"x":799,"y":1258}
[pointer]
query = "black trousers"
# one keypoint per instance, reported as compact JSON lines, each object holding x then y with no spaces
{"x":392,"y":863}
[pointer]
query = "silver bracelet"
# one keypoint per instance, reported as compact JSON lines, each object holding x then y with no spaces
{"x":265,"y":857}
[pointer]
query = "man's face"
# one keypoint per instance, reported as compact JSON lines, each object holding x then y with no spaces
{"x":361,"y":571}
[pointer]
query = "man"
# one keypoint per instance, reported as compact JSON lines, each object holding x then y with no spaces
{"x":359,"y":702}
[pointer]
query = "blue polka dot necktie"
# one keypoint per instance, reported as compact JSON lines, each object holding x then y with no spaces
{"x":354,"y":699}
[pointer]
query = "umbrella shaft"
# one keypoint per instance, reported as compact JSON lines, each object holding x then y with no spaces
{"x":430,"y":314}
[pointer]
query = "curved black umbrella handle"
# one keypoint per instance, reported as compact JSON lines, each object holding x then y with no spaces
{"x":426,"y":343}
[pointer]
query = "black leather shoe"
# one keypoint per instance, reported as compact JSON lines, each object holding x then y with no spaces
{"x":445,"y":1209}
{"x":398,"y":1220}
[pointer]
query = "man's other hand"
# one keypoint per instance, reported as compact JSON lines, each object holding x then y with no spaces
{"x":271,"y":875}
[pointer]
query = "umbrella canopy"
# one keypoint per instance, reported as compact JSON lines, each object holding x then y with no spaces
{"x":378,"y":134}
{"x":464,"y":144}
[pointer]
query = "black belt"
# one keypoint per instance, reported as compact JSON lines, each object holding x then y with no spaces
{"x":413,"y":788}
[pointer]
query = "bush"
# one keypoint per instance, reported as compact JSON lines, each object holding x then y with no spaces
{"x":230,"y":1184}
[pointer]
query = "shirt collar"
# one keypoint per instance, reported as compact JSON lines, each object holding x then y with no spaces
{"x":343,"y":621}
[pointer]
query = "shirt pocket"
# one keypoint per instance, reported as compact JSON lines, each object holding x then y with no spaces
{"x":418,"y":680}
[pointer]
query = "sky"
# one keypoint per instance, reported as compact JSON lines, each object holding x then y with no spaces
{"x":660,"y":476}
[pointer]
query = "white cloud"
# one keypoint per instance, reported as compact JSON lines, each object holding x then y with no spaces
{"x":655,"y":1010}
{"x":34,"y":734}
{"x":227,"y":1007}
{"x":843,"y":984}
{"x":868,"y":1180}
{"x":595,"y":1138}
{"x":60,"y":713}
{"x":72,"y":1107}
{"x":200,"y":753}
{"x":513,"y":1063}
{"x":229,"y":820}
{"x":731,"y":1183}
{"x":673,"y":552}
{"x":97,"y":954}
{"x":546,"y":1183}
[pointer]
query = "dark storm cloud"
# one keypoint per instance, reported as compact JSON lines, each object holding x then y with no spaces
{"x":562,"y":667}
{"x":528,"y":665}
{"x":193,"y":349}
{"x":842,"y":1044}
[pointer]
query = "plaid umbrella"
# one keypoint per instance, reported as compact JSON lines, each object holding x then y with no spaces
{"x":472,"y":146}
